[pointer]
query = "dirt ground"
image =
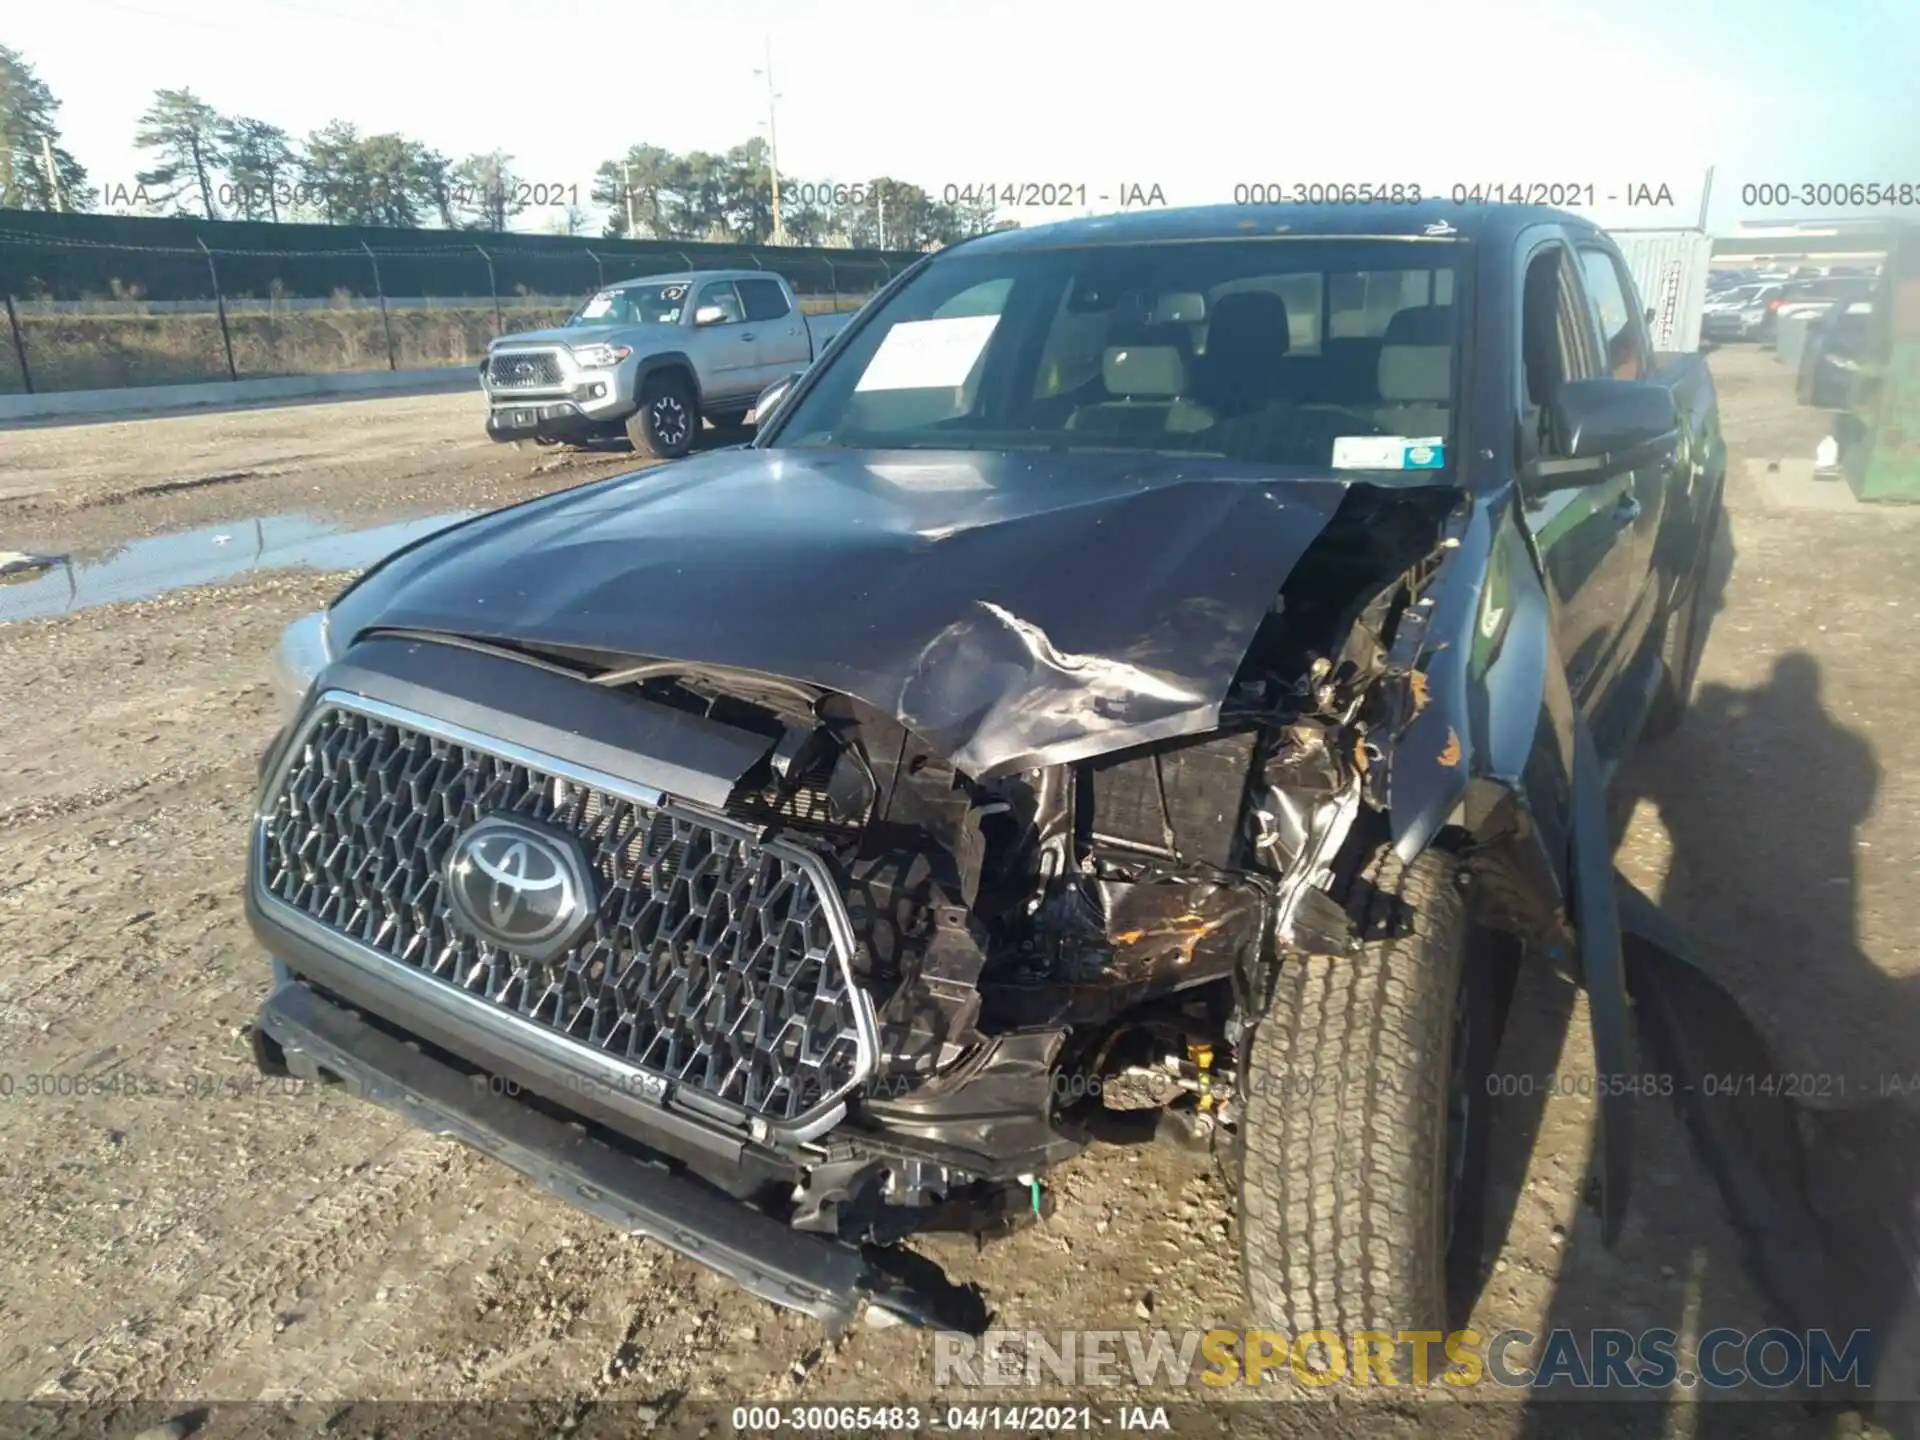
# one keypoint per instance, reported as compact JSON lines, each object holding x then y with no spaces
{"x":181,"y":1232}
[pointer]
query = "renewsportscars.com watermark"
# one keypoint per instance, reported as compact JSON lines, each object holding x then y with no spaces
{"x":1574,"y":1361}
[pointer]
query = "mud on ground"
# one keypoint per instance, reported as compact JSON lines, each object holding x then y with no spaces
{"x":185,"y":1231}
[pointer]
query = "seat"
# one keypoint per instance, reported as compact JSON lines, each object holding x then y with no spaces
{"x":1416,"y":372}
{"x":1149,"y":379}
{"x":1247,"y":341}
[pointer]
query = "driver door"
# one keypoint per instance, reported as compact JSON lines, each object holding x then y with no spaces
{"x":727,"y":350}
{"x":1585,"y":534}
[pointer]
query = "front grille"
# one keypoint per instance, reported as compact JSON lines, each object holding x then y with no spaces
{"x":711,"y":961}
{"x":527,"y":370}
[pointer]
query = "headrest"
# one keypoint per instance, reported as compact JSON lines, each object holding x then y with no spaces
{"x":1249,"y":321}
{"x":1179,"y":308}
{"x":1416,"y":355}
{"x":1420,"y":325}
{"x":1143,"y":370}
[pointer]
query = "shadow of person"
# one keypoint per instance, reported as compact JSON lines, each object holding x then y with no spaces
{"x":1782,"y":1035}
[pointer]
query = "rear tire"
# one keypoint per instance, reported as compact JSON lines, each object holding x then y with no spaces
{"x":1362,"y":1141}
{"x":664,"y":425}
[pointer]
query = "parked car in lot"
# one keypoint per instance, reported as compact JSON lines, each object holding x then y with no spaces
{"x":1154,"y":674}
{"x":1738,"y":314}
{"x":650,"y":358}
{"x":1816,"y":297}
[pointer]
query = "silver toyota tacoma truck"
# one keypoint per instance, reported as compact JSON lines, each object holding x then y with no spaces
{"x":650,"y":357}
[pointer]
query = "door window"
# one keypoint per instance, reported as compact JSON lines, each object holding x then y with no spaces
{"x":764,"y":299}
{"x":1557,"y":340}
{"x":1622,"y":340}
{"x":721,"y":293}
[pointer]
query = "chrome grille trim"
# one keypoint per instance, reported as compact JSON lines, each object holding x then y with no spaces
{"x":542,"y":370}
{"x":487,"y":992}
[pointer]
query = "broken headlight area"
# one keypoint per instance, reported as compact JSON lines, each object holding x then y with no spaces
{"x":1073,"y":952}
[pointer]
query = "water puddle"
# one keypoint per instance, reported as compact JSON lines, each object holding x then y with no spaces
{"x":142,"y":569}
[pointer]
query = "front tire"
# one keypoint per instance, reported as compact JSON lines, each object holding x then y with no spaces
{"x":664,"y":425}
{"x":1362,"y":1141}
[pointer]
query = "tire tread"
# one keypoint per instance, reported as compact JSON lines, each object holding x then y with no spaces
{"x":1344,"y":1126}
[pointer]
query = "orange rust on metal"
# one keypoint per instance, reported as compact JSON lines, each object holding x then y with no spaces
{"x":1187,"y":930}
{"x":1450,"y":756}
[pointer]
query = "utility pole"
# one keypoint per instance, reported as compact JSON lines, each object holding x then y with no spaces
{"x":1706,"y":194}
{"x":626,"y":175}
{"x":773,"y":145}
{"x":53,"y":175}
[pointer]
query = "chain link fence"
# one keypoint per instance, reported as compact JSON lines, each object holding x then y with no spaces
{"x":86,"y":314}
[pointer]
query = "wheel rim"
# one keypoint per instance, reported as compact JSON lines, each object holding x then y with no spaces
{"x":669,"y":420}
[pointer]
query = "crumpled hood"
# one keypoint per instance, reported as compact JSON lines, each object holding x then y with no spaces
{"x":1012,"y":610}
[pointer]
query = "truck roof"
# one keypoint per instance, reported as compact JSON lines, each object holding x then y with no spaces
{"x":690,"y":277}
{"x":1227,"y":222}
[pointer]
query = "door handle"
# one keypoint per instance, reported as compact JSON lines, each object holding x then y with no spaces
{"x":1628,"y":510}
{"x":747,"y":335}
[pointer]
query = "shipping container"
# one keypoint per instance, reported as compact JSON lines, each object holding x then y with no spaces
{"x":1670,"y":269}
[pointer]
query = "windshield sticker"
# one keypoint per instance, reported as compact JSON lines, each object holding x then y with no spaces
{"x":1388,"y":452}
{"x":928,"y":354}
{"x":597,"y":306}
{"x":673,"y":292}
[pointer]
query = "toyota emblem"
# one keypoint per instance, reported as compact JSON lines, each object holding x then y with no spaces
{"x":520,"y":886}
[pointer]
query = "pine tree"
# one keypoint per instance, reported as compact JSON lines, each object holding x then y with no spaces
{"x":183,"y":131}
{"x":27,"y":134}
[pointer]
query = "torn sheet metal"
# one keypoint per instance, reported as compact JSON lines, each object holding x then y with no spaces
{"x":1104,"y":945}
{"x":1013,"y":610}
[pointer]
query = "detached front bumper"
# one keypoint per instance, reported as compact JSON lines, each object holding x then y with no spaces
{"x":304,"y":1033}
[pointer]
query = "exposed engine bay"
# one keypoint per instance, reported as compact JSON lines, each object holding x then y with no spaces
{"x":1071,"y":952}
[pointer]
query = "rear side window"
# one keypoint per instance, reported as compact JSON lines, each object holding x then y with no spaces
{"x":1301,"y":293}
{"x":764,"y":299}
{"x":1621,"y":339}
{"x":1360,"y":303}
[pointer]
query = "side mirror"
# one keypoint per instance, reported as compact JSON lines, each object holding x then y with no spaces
{"x":1651,"y":312}
{"x":771,"y":397}
{"x":1605,"y":427}
{"x":710,"y":315}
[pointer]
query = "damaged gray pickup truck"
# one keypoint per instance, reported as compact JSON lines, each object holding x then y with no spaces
{"x":1155,"y":676}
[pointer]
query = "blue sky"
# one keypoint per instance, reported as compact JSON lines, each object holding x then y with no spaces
{"x":1195,"y":97}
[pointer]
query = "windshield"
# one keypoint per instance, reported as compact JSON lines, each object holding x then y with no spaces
{"x":652,"y":304}
{"x":1291,"y":352}
{"x":1741,"y":294}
